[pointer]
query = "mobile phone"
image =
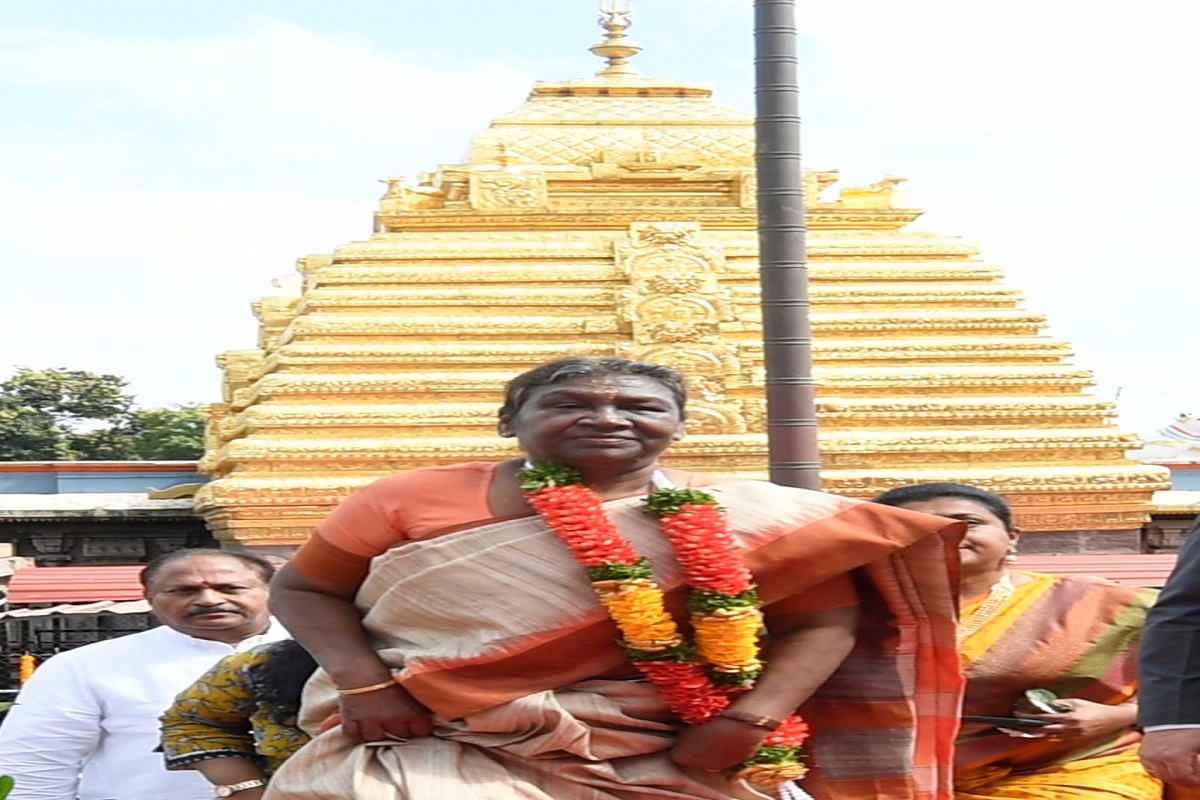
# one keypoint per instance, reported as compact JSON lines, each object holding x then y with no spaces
{"x":1043,"y":700}
{"x":1007,"y":722}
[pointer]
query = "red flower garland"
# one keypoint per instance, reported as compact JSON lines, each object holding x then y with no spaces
{"x":706,"y":549}
{"x":724,"y":602}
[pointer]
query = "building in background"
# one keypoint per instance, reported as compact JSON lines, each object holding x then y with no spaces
{"x":74,"y":536}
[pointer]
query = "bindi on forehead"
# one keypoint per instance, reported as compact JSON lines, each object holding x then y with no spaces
{"x":207,"y":573}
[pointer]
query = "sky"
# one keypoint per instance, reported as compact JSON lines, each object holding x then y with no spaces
{"x":162,"y":163}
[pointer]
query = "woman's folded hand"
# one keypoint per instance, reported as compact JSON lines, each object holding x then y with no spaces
{"x":390,"y":713}
{"x":717,"y":744}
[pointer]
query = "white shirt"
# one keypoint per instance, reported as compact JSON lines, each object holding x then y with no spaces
{"x":86,"y":724}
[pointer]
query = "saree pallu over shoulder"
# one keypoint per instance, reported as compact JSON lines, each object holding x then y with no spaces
{"x":481,"y":618}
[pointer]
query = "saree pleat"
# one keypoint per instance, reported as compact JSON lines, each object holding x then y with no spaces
{"x":497,"y":631}
{"x":596,"y":741}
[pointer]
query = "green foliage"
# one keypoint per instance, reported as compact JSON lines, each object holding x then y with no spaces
{"x":64,"y":414}
{"x":708,"y":602}
{"x":621,"y":572}
{"x":27,"y":434}
{"x":171,"y":434}
{"x":665,"y":502}
{"x":774,"y":754}
{"x":544,"y":474}
{"x":69,"y":415}
{"x":6,"y":786}
{"x":684,"y":651}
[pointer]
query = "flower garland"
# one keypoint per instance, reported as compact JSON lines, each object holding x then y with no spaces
{"x":697,"y":680}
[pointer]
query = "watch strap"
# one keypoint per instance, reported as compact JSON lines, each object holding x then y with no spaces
{"x":227,"y":789}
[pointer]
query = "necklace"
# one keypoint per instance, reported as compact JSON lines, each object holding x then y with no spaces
{"x":997,"y":596}
{"x":697,"y":679}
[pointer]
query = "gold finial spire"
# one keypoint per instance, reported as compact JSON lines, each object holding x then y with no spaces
{"x":614,"y":18}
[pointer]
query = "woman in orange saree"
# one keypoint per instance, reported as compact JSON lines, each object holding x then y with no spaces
{"x":466,"y":657}
{"x":1075,"y":636}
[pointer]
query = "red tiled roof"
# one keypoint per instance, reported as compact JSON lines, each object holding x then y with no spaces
{"x":1132,"y":569}
{"x":74,"y":584}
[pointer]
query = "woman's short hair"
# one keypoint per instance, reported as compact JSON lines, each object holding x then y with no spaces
{"x":565,"y":369}
{"x":935,"y":490}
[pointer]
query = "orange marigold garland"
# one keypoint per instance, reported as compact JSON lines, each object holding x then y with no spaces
{"x":699,"y":680}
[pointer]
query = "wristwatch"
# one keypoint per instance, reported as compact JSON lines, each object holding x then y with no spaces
{"x":230,"y":789}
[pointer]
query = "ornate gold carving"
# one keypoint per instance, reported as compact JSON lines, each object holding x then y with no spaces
{"x":672,"y":282}
{"x":401,"y":196}
{"x":748,"y":188}
{"x":815,"y":184}
{"x":882,"y":194}
{"x":241,"y":369}
{"x":504,"y":189}
{"x":682,"y":332}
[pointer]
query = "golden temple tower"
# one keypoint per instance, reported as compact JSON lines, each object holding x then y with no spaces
{"x":615,"y":215}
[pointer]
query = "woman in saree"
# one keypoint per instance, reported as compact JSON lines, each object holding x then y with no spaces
{"x":1071,"y":639}
{"x":464,"y":653}
{"x":237,"y":723}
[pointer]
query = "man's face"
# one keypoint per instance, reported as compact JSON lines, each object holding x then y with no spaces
{"x":210,"y":597}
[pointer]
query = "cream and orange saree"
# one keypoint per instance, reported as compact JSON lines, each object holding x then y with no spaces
{"x":496,"y":629}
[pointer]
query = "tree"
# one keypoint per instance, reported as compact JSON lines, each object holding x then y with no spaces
{"x":61,"y":414}
{"x":174,"y":434}
{"x":27,"y":434}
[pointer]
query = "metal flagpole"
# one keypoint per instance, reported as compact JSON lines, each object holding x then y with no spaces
{"x":787,"y":334}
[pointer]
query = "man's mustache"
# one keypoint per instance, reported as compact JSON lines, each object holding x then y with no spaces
{"x":195,"y":612}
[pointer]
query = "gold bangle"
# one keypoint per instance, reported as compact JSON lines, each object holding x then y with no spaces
{"x":757,"y":720}
{"x":375,"y":687}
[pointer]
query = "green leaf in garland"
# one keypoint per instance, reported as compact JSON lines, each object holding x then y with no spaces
{"x":665,"y":502}
{"x":706,"y":602}
{"x":6,"y":785}
{"x":621,"y":572}
{"x":682,"y":652}
{"x":773,"y":754}
{"x":546,"y":473}
{"x":740,"y":679}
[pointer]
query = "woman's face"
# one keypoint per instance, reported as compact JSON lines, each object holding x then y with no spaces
{"x":596,"y":421}
{"x":987,"y":542}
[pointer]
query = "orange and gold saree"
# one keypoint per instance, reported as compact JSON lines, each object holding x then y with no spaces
{"x":1074,"y":635}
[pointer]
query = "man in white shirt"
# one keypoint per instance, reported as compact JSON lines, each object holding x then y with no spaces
{"x":86,"y":724}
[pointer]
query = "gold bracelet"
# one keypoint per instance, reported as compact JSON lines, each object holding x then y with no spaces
{"x":757,"y":720}
{"x":375,"y":687}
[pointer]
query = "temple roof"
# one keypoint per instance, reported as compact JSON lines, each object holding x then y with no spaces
{"x":618,"y":121}
{"x":617,"y":116}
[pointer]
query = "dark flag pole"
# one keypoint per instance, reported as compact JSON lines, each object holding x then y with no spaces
{"x":787,"y":334}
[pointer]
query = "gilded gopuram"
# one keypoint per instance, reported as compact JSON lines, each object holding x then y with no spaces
{"x":615,"y":215}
